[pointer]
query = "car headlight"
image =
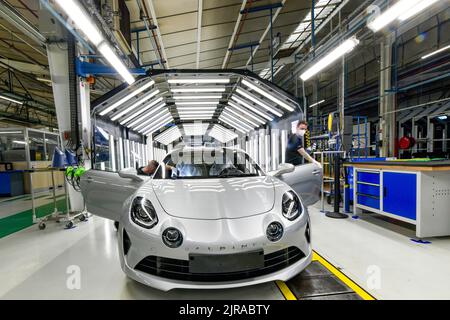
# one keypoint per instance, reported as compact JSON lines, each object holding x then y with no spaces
{"x":291,"y":206}
{"x":143,"y":213}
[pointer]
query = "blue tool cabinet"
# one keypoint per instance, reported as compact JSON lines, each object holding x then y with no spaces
{"x":385,"y":192}
{"x":399,"y":194}
{"x":415,"y":193}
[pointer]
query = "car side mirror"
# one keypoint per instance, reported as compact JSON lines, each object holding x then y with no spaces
{"x":282,"y":169}
{"x":130,"y":173}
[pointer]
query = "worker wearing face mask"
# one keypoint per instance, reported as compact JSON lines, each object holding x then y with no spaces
{"x":295,"y":151}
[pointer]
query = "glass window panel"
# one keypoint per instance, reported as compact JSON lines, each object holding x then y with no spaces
{"x":37,"y":146}
{"x":12,"y":146}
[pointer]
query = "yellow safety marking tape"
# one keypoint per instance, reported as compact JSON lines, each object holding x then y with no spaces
{"x":350,"y":283}
{"x":287,"y":293}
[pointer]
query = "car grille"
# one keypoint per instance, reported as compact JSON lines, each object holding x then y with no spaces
{"x":179,"y":269}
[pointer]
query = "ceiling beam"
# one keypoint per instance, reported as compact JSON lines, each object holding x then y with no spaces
{"x":199,"y":31}
{"x":233,"y":36}
{"x":20,"y":22}
{"x":158,"y":32}
{"x":274,"y":17}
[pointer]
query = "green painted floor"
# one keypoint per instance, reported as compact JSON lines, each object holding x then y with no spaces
{"x":24,"y":219}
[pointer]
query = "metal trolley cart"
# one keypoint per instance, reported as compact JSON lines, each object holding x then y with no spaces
{"x":59,"y":216}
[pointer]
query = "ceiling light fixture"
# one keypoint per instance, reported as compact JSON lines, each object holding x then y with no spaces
{"x":142,"y":110}
{"x":197,"y":89}
{"x":344,"y":48}
{"x":214,"y":97}
{"x":115,"y":62}
{"x":267,"y":95}
{"x":161,"y":120}
{"x":317,"y":103}
{"x":158,"y":126}
{"x":246,"y":94}
{"x":135,"y":105}
{"x":84,"y":22}
{"x":241,"y":117}
{"x":11,"y":100}
{"x":237,"y":107}
{"x":232,"y":124}
{"x":188,"y":81}
{"x":435,"y":52}
{"x":141,"y":119}
{"x":248,"y":106}
{"x":127,"y":97}
{"x":204,"y":108}
{"x":237,"y":120}
{"x":395,"y":11}
{"x":152,"y":118}
{"x":193,"y":103}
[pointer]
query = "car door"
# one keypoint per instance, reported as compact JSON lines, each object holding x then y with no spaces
{"x":105,"y":192}
{"x":306,"y":180}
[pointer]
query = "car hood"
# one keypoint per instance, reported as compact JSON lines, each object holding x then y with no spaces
{"x":215,"y":198}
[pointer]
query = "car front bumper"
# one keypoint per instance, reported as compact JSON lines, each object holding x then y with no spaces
{"x":214,"y":237}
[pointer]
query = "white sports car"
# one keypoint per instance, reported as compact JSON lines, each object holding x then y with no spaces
{"x":209,"y":218}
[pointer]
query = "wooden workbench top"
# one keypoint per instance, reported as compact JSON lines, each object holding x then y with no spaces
{"x":403,"y":165}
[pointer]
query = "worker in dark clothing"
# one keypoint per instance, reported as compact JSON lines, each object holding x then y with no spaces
{"x":295,"y":151}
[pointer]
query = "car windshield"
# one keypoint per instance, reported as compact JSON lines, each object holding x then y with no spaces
{"x":207,"y":164}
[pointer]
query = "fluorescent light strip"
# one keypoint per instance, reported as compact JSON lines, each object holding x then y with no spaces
{"x":195,"y":129}
{"x":258,"y":101}
{"x":82,"y":20}
{"x":197,"y":116}
{"x":144,"y":118}
{"x":194,"y":103}
{"x":195,"y":89}
{"x":316,"y":104}
{"x":248,"y":106}
{"x":222,"y":134}
{"x":435,"y":52}
{"x":169,"y":135}
{"x":11,"y":132}
{"x":224,"y":130}
{"x":237,"y":107}
{"x":416,"y":9}
{"x":158,"y":126}
{"x":267,"y":95}
{"x":197,"y":97}
{"x":145,"y":108}
{"x":196,"y":112}
{"x":230,"y":123}
{"x":239,"y":121}
{"x":205,"y":108}
{"x":240,"y":116}
{"x":148,"y":120}
{"x":394,"y":12}
{"x":156,"y":123}
{"x":116,"y":63}
{"x":11,"y":100}
{"x":185,"y":81}
{"x":127,"y":97}
{"x":135,"y":105}
{"x":344,"y":48}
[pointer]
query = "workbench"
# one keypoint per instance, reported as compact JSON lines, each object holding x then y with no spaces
{"x":411,"y":191}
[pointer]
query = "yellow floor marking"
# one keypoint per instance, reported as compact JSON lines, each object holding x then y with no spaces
{"x":287,"y":293}
{"x":350,"y":283}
